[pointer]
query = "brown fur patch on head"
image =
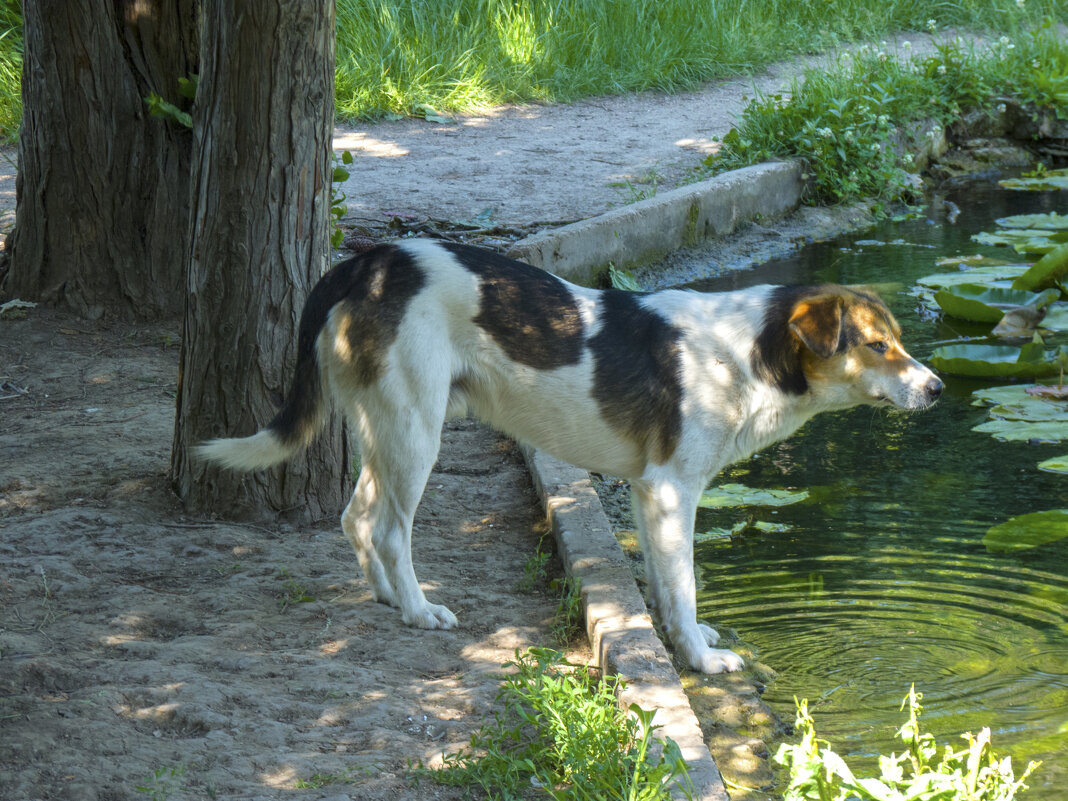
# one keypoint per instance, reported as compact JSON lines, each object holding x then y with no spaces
{"x":804,"y":326}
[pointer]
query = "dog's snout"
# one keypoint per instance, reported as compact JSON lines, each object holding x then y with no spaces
{"x":934,"y":387}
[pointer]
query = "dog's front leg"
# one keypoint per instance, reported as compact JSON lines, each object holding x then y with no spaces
{"x":665,"y":511}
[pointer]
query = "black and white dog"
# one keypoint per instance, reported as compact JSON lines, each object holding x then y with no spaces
{"x":664,"y":389}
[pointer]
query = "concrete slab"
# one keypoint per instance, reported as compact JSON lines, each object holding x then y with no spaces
{"x":642,"y":232}
{"x":618,"y":625}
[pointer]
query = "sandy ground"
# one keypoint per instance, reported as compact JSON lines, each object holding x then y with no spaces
{"x":143,"y":648}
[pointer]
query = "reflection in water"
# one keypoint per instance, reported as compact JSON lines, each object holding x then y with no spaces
{"x":883,"y":579}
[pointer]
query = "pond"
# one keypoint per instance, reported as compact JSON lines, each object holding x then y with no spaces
{"x":882,"y":578}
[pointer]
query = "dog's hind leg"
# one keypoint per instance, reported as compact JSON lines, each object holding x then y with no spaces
{"x":398,"y":451}
{"x":664,"y":511}
{"x":358,"y":521}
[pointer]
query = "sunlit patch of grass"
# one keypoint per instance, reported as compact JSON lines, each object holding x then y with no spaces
{"x":842,"y":120}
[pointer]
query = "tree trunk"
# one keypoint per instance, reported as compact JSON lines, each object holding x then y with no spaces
{"x":102,"y":187}
{"x":260,"y":206}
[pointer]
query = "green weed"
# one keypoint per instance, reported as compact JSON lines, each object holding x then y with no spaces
{"x":535,"y":570}
{"x":293,"y":592}
{"x":568,"y":620}
{"x":162,"y":783}
{"x":563,"y":733}
{"x":841,"y":121}
{"x":973,"y":773}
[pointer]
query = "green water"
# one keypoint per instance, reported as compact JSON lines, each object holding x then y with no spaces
{"x":884,"y":579}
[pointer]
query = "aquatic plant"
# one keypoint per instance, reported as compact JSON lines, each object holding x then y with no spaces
{"x":972,"y":773}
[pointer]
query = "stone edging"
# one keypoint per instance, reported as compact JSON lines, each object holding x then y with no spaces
{"x":618,"y":625}
{"x":620,"y":630}
{"x":643,"y":232}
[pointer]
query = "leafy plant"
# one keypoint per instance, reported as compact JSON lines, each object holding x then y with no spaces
{"x":562,"y":733}
{"x":162,"y":783}
{"x":567,"y":622}
{"x":293,"y":592}
{"x":158,"y":107}
{"x":973,"y":773}
{"x":534,"y":570}
{"x":338,"y":209}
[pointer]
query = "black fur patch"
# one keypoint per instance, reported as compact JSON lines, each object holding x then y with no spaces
{"x":530,"y":313}
{"x":373,"y":289}
{"x":636,"y":374}
{"x":776,"y":354}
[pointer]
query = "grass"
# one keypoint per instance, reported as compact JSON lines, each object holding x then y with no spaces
{"x":402,"y":58}
{"x":842,"y":120}
{"x":423,"y":56}
{"x":562,"y":734}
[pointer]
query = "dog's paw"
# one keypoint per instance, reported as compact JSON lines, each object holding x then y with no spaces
{"x":717,"y":660}
{"x":710,"y":634}
{"x":431,"y":616}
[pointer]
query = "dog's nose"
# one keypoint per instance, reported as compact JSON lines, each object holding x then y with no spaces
{"x":934,"y":387}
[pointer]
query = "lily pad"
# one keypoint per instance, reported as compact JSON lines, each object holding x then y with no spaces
{"x":1047,"y":222}
{"x":1018,"y":431}
{"x":740,"y":528}
{"x":999,"y":361}
{"x":1028,"y":531}
{"x":1046,"y":272}
{"x":1023,"y":240}
{"x":727,"y":495}
{"x":986,"y":304}
{"x":978,"y":275}
{"x":996,"y":396}
{"x":1047,"y":180}
{"x":1058,"y":464}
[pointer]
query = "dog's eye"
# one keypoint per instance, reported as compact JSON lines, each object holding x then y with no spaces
{"x":879,"y":347}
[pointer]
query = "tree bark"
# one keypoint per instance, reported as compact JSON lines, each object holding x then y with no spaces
{"x":102,"y":187}
{"x":260,"y":211}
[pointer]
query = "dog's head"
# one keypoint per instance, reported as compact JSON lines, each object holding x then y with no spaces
{"x":842,"y":345}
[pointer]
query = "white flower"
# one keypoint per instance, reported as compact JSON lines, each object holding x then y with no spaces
{"x":1004,"y":40}
{"x":1020,"y":3}
{"x":907,"y":44}
{"x":941,"y":69}
{"x":1001,"y":108}
{"x":908,"y":158}
{"x":1035,"y":64}
{"x":932,"y":25}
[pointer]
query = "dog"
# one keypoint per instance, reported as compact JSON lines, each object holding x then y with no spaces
{"x":664,"y":389}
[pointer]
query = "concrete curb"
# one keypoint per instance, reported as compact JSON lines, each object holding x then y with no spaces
{"x":642,"y":232}
{"x":620,"y":630}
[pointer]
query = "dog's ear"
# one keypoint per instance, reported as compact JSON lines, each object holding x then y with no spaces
{"x":817,"y":322}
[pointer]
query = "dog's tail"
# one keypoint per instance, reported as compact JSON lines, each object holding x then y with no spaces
{"x":303,"y":411}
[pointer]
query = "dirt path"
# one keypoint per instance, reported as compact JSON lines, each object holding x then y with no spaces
{"x":142,"y":648}
{"x":134,"y":640}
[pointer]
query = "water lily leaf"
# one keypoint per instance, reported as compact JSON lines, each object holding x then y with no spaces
{"x":1049,"y":179}
{"x":978,"y":275}
{"x":1032,"y":409}
{"x":740,"y":528}
{"x":996,"y":396}
{"x":1028,"y":531}
{"x":975,"y":260}
{"x":999,"y":361}
{"x":727,"y":495}
{"x":986,"y":304}
{"x":1058,"y":464}
{"x":1020,"y":431}
{"x":1047,"y":222}
{"x":1056,"y":318}
{"x":1022,"y":240}
{"x":1046,"y":272}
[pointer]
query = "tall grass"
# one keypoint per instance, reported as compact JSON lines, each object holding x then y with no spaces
{"x":395,"y":57}
{"x":409,"y":56}
{"x":841,"y":119}
{"x":10,"y":68}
